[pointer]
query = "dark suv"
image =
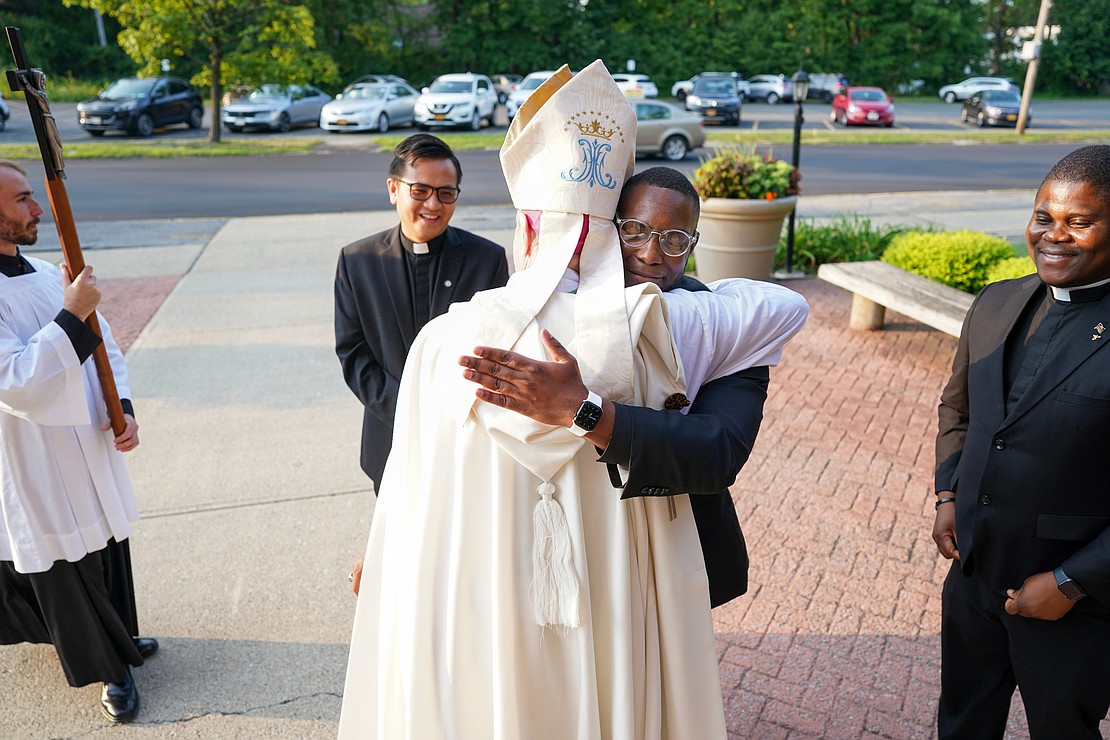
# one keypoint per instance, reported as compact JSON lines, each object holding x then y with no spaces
{"x":825,"y":86}
{"x":715,"y":98}
{"x":141,"y":104}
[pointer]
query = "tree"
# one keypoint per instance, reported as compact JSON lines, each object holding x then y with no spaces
{"x":1077,"y":59}
{"x":234,"y":41}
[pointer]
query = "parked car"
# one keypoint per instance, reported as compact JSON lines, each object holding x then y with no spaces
{"x":276,"y":108}
{"x":665,"y":129}
{"x":994,"y":108}
{"x":863,"y":105}
{"x":636,"y":86}
{"x":504,"y":84}
{"x":456,"y":100}
{"x":369,"y":106}
{"x":965,"y":89}
{"x":139,"y":105}
{"x":825,"y":86}
{"x":682,"y":88}
{"x":374,"y":79}
{"x":5,"y":114}
{"x":715,"y":99}
{"x":524,"y":89}
{"x":770,"y":88}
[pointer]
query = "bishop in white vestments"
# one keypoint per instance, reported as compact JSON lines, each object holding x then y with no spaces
{"x":507,"y":591}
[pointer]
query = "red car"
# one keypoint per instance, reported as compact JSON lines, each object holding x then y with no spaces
{"x":863,"y":105}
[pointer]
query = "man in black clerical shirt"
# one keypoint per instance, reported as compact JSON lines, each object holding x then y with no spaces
{"x":387,"y":286}
{"x":1021,"y":485}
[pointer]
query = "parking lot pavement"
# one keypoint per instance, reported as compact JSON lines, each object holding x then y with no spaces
{"x":253,"y":505}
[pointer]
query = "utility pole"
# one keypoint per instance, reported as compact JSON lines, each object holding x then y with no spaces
{"x":1031,"y":71}
{"x":100,"y":36}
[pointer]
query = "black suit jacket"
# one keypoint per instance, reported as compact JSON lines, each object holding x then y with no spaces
{"x":1031,"y":484}
{"x":700,"y":453}
{"x":375,"y":326}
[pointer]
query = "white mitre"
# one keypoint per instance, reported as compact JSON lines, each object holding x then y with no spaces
{"x":566,"y":157}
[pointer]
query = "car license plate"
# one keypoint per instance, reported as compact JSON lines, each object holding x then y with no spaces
{"x":872,"y":116}
{"x":94,"y":120}
{"x":341,"y":122}
{"x":240,"y":121}
{"x":1011,"y":116}
{"x":711,"y":112}
{"x":439,"y":117}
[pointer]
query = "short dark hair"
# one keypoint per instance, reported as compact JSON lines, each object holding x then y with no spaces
{"x":1089,"y":165}
{"x":667,"y":178}
{"x":422,"y":146}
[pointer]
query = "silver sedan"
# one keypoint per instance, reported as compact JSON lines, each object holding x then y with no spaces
{"x":275,"y":108}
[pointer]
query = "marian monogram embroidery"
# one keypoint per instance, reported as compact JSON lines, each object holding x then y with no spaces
{"x":594,"y":136}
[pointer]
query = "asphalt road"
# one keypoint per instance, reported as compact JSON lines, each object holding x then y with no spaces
{"x":353,"y":179}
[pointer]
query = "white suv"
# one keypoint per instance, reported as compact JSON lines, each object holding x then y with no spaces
{"x":970,"y":86}
{"x":455,"y":101}
{"x":524,"y":89}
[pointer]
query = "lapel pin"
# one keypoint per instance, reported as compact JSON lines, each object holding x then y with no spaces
{"x":1100,"y":329}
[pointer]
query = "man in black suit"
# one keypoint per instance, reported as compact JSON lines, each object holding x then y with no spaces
{"x":665,"y":452}
{"x":387,"y":286}
{"x":1022,"y":503}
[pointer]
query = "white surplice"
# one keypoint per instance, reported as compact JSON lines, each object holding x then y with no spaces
{"x":66,"y":490}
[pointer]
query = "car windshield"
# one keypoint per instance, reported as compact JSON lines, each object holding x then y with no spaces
{"x":868,"y":95}
{"x":532,"y":83}
{"x":128,"y":89}
{"x":715,"y":87}
{"x":366,"y":93}
{"x":269,"y":92}
{"x":1000,"y":96}
{"x":451,"y":86}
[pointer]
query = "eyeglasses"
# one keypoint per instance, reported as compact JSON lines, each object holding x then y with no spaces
{"x":447,"y":194}
{"x":674,"y":242}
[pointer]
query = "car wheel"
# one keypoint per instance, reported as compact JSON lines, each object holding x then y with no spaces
{"x":772,"y":98}
{"x":950,"y":97}
{"x":680,"y":96}
{"x":284,"y":123}
{"x":475,"y":121}
{"x":826,"y":97}
{"x":196,"y":118}
{"x":674,"y":148}
{"x":980,"y":120}
{"x":3,"y":123}
{"x":94,"y":132}
{"x":383,"y":124}
{"x":144,"y":126}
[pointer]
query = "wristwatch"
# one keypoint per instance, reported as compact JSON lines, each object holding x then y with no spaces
{"x":1067,"y":586}
{"x":589,"y":413}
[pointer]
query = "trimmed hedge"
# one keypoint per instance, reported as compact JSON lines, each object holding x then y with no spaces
{"x":957,"y":258}
{"x":1015,"y":267}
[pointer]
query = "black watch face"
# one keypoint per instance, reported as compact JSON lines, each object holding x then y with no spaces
{"x":588,"y":415}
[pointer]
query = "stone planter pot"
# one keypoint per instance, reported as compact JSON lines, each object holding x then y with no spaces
{"x":739,"y":237}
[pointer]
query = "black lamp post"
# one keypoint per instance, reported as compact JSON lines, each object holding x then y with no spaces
{"x":801,"y":90}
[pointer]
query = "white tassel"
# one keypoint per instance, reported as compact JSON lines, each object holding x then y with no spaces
{"x":554,"y":580}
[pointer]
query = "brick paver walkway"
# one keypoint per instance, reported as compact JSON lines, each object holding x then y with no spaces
{"x":838,"y":636}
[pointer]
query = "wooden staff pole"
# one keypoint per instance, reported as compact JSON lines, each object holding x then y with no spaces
{"x":20,"y":80}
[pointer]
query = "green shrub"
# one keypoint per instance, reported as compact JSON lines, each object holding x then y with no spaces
{"x":1014,"y":267}
{"x":957,"y":258}
{"x":847,"y":238}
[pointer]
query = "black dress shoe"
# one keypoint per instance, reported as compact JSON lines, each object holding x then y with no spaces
{"x":147,"y":646}
{"x":120,"y":701}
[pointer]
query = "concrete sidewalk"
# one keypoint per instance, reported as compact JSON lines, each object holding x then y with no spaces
{"x":254,"y":505}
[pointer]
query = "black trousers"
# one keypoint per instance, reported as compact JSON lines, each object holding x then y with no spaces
{"x":1061,"y":667}
{"x":85,"y":609}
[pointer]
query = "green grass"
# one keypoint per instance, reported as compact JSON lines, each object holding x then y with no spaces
{"x":169,"y":148}
{"x":820,"y":136}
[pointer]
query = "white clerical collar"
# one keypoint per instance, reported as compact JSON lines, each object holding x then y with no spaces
{"x":1065,"y":294}
{"x":568,"y":283}
{"x":419,"y":248}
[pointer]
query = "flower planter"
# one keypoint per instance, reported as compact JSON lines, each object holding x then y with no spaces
{"x":739,"y":237}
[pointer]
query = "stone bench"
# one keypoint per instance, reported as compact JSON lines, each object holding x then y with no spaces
{"x":877,"y":286}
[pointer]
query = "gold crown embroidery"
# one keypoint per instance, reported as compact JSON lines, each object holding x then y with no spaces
{"x":594,"y":127}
